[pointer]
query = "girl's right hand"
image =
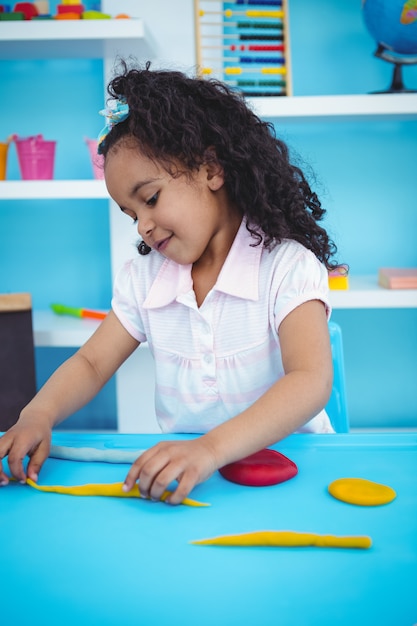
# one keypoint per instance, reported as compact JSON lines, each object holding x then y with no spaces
{"x":31,"y":439}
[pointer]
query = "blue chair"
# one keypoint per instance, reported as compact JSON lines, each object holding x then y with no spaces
{"x":337,"y":406}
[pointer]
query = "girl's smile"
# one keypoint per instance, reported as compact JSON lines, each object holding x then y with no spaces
{"x":162,"y":244}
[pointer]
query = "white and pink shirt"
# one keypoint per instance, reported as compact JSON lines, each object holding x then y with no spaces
{"x":213,"y":361}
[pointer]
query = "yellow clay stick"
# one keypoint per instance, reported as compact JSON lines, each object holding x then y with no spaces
{"x":286,"y":538}
{"x":112,"y":489}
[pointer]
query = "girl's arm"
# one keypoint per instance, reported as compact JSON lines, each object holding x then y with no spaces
{"x":297,"y":397}
{"x":71,"y":386}
{"x":284,"y":408}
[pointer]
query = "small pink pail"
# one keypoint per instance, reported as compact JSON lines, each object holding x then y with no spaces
{"x":36,"y":157}
{"x":97,"y":160}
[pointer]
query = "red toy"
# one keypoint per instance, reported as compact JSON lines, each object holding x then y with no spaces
{"x":27,"y":8}
{"x":70,"y":8}
{"x":266,"y":467}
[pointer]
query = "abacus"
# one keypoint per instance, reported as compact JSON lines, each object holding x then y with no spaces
{"x":244,"y":43}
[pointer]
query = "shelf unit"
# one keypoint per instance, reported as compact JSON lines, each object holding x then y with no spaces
{"x":96,"y":39}
{"x":364,"y":291}
{"x":106,"y":38}
{"x":69,"y":39}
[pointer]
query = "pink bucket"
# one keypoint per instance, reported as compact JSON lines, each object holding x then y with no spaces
{"x":36,"y":157}
{"x":97,"y":160}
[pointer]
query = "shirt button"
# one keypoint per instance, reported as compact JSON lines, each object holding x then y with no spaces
{"x":208,"y":358}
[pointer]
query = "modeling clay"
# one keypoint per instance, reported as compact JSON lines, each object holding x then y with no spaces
{"x":361,"y":491}
{"x":286,"y":538}
{"x":95,"y":455}
{"x":266,"y":467}
{"x":112,"y":489}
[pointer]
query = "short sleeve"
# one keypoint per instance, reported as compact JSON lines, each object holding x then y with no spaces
{"x":125,"y":301}
{"x":300,"y":279}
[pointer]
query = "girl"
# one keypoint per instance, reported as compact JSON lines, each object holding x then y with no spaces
{"x":229,"y":289}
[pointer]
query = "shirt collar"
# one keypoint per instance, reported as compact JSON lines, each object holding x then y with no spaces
{"x":238,"y":277}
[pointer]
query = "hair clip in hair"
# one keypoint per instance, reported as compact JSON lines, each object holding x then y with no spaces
{"x":115,"y":114}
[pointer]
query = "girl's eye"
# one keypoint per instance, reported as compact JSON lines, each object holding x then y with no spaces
{"x":129,"y":214}
{"x":152,"y":201}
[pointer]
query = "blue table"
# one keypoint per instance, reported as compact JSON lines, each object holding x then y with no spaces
{"x":126,"y":562}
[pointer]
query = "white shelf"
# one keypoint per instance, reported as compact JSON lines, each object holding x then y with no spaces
{"x":62,"y":331}
{"x":51,"y":39}
{"x":356,"y":107}
{"x":44,"y":189}
{"x":51,"y":330}
{"x":54,"y":331}
{"x":365,"y":293}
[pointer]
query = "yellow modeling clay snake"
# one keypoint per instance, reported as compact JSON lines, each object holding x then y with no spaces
{"x":286,"y":538}
{"x":112,"y":489}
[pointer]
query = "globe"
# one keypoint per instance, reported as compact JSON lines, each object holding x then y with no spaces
{"x":393,"y":25}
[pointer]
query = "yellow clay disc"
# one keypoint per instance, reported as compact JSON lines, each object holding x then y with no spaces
{"x":361,"y":491}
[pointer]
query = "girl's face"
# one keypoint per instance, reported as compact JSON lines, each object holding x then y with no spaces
{"x":186,"y":220}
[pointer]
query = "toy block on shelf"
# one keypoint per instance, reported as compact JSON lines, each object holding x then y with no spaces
{"x":76,"y":9}
{"x":397,"y":278}
{"x":28,"y":9}
{"x":338,"y":278}
{"x":42,"y":7}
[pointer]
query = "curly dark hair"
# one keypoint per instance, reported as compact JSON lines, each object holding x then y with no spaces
{"x":178,"y":119}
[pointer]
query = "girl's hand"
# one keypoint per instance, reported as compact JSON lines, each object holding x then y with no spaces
{"x":22,"y":439}
{"x":187,"y":462}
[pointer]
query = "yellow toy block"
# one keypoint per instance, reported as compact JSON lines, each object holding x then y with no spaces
{"x":338,"y":278}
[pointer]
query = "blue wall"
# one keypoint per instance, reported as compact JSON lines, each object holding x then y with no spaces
{"x":364,"y":173}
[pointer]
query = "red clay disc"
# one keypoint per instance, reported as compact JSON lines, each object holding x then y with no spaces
{"x":266,"y":467}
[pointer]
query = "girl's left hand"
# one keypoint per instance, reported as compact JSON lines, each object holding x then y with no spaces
{"x":187,"y":462}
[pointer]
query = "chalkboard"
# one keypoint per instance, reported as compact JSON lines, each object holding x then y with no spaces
{"x":17,"y":358}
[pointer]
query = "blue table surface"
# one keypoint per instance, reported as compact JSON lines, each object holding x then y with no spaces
{"x":112,"y":561}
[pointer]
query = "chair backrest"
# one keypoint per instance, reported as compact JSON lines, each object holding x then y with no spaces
{"x":337,"y":406}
